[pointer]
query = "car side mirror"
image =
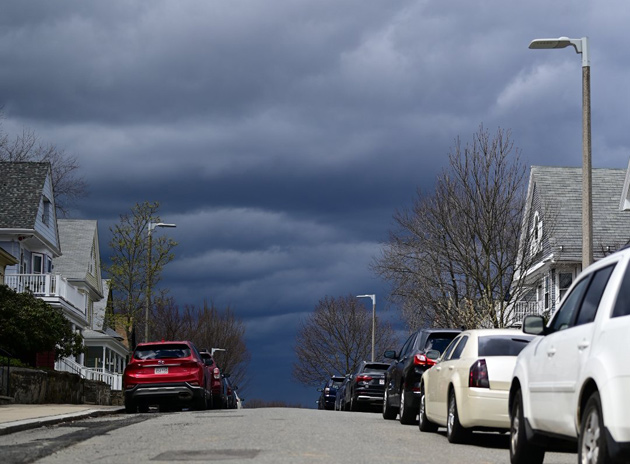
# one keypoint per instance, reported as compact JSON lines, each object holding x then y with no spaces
{"x":433,"y":354}
{"x":534,"y":325}
{"x":390,"y":354}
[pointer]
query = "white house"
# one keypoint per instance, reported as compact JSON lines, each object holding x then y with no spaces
{"x":552,"y":224}
{"x":57,"y":261}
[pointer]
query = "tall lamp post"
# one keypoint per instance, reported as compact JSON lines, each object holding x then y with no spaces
{"x":373,"y":297}
{"x":581,"y":47}
{"x":152,"y":225}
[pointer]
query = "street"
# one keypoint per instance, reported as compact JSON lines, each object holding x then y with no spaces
{"x":271,"y":435}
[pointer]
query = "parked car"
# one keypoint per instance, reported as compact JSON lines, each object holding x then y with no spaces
{"x":229,"y":391}
{"x":328,"y":393}
{"x":572,"y":382}
{"x":168,"y":374}
{"x":468,"y":386}
{"x":340,"y":396}
{"x":402,"y":379}
{"x":218,"y":396}
{"x":366,"y":386}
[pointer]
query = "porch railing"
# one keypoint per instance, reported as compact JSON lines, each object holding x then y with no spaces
{"x":525,"y":308}
{"x":110,"y":378}
{"x":47,"y":285}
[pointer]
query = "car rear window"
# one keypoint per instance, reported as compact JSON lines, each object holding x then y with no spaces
{"x":439,"y":342}
{"x":502,"y":345}
{"x":376,"y":368}
{"x":162,"y":351}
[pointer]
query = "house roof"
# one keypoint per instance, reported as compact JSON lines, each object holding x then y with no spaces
{"x":559,"y":190}
{"x":77,"y":238}
{"x":21,"y":186}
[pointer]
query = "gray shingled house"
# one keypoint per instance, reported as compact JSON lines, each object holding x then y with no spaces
{"x":552,"y":223}
{"x":80,"y":264}
{"x":58,"y":264}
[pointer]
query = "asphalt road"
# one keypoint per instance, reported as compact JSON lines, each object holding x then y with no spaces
{"x":273,"y":435}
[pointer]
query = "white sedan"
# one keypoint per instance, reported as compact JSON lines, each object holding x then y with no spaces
{"x":468,"y":387}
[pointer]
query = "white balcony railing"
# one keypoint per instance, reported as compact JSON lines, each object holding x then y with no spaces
{"x":47,"y":286}
{"x":110,"y":378}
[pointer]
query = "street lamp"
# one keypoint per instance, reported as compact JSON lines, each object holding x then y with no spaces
{"x":581,"y":46}
{"x":373,"y":297}
{"x":152,"y":225}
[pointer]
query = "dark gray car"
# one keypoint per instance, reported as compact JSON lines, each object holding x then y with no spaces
{"x":402,"y":379}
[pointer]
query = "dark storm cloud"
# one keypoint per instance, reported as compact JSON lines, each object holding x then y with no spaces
{"x":282,"y":138}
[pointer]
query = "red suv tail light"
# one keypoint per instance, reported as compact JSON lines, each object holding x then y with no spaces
{"x":479,"y":375}
{"x":363,"y":378}
{"x":421,"y":360}
{"x":216,"y":373}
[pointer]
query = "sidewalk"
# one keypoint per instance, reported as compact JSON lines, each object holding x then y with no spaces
{"x":16,"y":417}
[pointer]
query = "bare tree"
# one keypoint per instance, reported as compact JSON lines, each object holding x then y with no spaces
{"x":68,"y":185}
{"x":207,"y":327}
{"x":455,"y":258}
{"x":129,"y":272}
{"x":335,"y":338}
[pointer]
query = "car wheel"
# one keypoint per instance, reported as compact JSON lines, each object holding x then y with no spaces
{"x":424,"y":424}
{"x":131,"y":407}
{"x":407,"y":413}
{"x":522,"y":451}
{"x":592,"y":447}
{"x":454,"y":430}
{"x":389,"y":412}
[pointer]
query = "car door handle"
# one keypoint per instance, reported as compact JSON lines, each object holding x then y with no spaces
{"x":583,"y":345}
{"x":551,"y":352}
{"x":438,"y":369}
{"x":450,"y":368}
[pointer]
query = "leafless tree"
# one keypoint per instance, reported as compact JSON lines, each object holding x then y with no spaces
{"x":335,"y":338}
{"x":68,"y":184}
{"x":207,"y":327}
{"x":455,"y":258}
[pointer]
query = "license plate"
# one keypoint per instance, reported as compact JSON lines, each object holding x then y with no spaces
{"x":161,"y":370}
{"x":381,"y":382}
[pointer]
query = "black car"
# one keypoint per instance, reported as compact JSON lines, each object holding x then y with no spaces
{"x":340,"y":398}
{"x":366,"y":386}
{"x":329,"y":393}
{"x":402,"y":395}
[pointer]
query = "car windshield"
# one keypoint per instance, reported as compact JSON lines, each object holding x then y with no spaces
{"x":439,"y":343}
{"x":503,"y":345}
{"x":162,"y":351}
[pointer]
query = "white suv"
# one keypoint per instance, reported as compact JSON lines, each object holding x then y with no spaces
{"x":573,"y":381}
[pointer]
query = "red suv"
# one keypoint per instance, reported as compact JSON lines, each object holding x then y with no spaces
{"x":169,"y":374}
{"x":218,"y":398}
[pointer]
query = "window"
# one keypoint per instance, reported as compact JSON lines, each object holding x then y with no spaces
{"x":565,"y":279}
{"x":502,"y":345}
{"x":536,"y":234}
{"x":596,"y":288}
{"x":439,"y":343}
{"x":564,"y":316}
{"x":37,"y":263}
{"x":450,"y":348}
{"x":547,"y":292}
{"x":622,"y":305}
{"x":46,"y":212}
{"x":583,"y":300}
{"x":457,"y":352}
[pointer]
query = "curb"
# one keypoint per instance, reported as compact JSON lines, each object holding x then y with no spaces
{"x":18,"y":426}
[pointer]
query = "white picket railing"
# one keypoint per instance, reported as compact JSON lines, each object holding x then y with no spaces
{"x":47,"y":285}
{"x":110,"y":378}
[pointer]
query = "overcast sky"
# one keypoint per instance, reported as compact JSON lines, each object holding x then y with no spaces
{"x":281,"y":136}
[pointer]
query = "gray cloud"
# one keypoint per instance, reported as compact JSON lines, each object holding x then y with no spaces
{"x":282,"y":140}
